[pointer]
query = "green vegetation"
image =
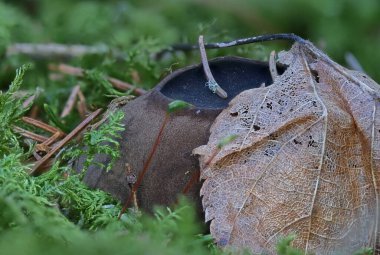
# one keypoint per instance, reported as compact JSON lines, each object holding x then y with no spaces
{"x":56,"y":213}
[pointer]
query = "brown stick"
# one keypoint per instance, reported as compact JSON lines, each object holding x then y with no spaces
{"x":71,"y":135}
{"x":70,"y":70}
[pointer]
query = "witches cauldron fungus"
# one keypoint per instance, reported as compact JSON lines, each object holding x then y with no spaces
{"x":173,"y":164}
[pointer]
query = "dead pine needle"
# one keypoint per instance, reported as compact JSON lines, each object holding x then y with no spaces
{"x":60,"y":144}
{"x":41,"y":125}
{"x":70,"y":102}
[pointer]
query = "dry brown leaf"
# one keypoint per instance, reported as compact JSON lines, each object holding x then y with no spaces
{"x":305,"y":162}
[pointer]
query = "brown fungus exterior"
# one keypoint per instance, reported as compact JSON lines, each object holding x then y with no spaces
{"x":173,"y":164}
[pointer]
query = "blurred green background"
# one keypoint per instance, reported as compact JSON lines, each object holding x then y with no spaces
{"x":143,"y":27}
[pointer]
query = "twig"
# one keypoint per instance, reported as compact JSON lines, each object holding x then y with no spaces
{"x":36,"y":169}
{"x":242,"y":41}
{"x":211,"y":83}
{"x":70,"y":70}
{"x":51,"y":50}
{"x":70,"y":101}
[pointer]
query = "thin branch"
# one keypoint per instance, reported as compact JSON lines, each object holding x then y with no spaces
{"x":54,"y":50}
{"x":76,"y":71}
{"x":211,"y":83}
{"x":242,"y":41}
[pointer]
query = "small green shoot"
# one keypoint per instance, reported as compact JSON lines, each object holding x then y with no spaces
{"x":178,"y":105}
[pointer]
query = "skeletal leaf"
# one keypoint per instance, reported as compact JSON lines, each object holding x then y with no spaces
{"x":306,"y":161}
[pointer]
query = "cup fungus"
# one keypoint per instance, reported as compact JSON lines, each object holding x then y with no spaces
{"x":173,"y":166}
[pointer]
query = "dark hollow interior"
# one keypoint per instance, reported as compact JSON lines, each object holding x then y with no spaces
{"x":234,"y":75}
